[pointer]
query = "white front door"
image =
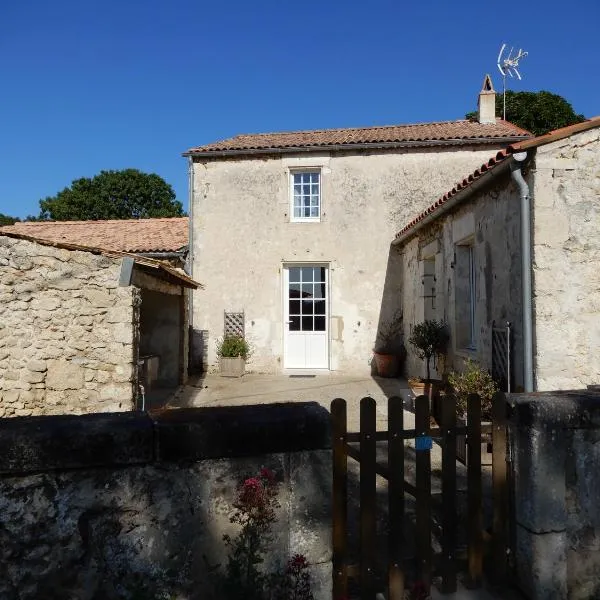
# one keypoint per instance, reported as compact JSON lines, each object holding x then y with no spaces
{"x":305,"y":322}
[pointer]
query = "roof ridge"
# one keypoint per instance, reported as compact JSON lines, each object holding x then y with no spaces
{"x":88,"y":221}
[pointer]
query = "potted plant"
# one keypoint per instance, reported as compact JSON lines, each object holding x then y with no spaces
{"x":430,"y":340}
{"x":233,"y":351}
{"x":389,"y":350}
{"x":473,"y":380}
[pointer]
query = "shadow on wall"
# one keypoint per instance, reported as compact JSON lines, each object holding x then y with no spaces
{"x":198,"y":351}
{"x":389,"y":338}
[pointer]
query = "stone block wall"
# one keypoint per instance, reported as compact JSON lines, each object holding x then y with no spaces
{"x":555,"y":439}
{"x":122,"y":506}
{"x":67,"y":331}
{"x":566,"y":254}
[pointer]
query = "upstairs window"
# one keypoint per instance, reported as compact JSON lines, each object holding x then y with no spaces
{"x":466,"y":294}
{"x":306,"y":195}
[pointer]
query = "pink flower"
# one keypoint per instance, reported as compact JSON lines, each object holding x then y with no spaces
{"x":252,"y":483}
{"x":267,"y":474}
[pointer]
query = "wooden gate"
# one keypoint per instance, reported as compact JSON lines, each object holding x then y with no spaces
{"x":368,"y":575}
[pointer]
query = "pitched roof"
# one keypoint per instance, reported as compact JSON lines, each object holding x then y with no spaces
{"x":162,"y":268}
{"x":494,"y":162}
{"x":419,"y":134}
{"x":131,"y":235}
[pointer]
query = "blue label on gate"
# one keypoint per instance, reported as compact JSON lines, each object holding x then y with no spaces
{"x":423,"y":443}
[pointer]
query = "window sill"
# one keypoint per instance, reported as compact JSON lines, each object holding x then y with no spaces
{"x":315,"y":220}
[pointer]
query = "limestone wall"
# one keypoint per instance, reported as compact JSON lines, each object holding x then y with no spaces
{"x":123,"y":507}
{"x":243,"y":236}
{"x":490,"y":222}
{"x":566,"y":255}
{"x":67,"y":331}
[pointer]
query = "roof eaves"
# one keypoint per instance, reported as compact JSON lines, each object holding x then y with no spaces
{"x":219,"y":153}
{"x":555,"y":135}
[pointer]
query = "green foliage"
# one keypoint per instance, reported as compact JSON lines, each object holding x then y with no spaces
{"x":538,"y":112}
{"x":429,"y":338}
{"x":6,"y":220}
{"x":473,"y":380}
{"x":126,"y":194}
{"x":232,"y":346}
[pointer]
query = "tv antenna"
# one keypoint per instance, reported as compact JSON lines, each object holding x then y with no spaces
{"x":508,"y":65}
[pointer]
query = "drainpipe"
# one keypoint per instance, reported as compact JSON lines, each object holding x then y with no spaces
{"x":517,"y":176}
{"x":190,"y":262}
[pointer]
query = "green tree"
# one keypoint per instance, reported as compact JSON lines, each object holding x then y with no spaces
{"x":538,"y":112}
{"x":126,"y":194}
{"x":6,"y":220}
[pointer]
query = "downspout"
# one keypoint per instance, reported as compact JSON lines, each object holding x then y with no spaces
{"x":517,"y":176}
{"x":190,"y":264}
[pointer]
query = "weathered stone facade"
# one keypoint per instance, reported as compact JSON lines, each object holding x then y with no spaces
{"x":243,"y":236}
{"x":566,"y":255}
{"x":67,"y":331}
{"x":122,"y":506}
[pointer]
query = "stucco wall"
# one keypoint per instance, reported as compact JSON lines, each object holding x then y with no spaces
{"x":243,"y":235}
{"x":66,"y":331}
{"x":566,"y":255}
{"x":492,"y":221}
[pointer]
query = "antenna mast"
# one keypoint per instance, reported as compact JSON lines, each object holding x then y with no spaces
{"x":508,"y":66}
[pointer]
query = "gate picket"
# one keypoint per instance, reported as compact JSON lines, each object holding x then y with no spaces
{"x":499,"y":489}
{"x":396,"y":497}
{"x":475,"y":518}
{"x":423,"y":481}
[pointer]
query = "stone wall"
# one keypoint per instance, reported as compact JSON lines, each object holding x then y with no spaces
{"x":490,"y":222}
{"x":555,"y":440}
{"x":67,"y":331}
{"x":566,"y":255}
{"x":122,"y":506}
{"x":243,"y":236}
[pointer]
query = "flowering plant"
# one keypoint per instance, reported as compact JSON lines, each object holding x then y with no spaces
{"x":255,"y":506}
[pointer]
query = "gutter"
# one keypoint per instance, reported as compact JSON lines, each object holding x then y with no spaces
{"x":364,"y":146}
{"x":458,"y":198}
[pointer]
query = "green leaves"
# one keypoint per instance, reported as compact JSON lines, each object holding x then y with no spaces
{"x":126,"y":194}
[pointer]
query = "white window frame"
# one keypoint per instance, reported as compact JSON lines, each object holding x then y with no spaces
{"x":305,"y":171}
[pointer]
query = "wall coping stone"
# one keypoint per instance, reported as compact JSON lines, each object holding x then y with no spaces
{"x":38,"y":444}
{"x":566,"y":409}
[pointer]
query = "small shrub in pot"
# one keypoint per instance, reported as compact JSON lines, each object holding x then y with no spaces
{"x":430,"y":339}
{"x":473,"y":380}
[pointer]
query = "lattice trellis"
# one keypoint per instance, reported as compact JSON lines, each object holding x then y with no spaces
{"x":234,"y":324}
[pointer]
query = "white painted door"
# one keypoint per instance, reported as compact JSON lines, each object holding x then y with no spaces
{"x":306,"y":323}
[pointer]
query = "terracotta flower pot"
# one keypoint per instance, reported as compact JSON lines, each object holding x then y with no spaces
{"x":386,"y":365}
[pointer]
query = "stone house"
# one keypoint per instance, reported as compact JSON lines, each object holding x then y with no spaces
{"x":518,"y":240}
{"x":293,"y":230}
{"x":75,"y":322}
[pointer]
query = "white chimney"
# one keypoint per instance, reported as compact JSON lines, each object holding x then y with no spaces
{"x":486,"y":105}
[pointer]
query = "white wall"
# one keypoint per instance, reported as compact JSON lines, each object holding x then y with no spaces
{"x":242,"y":236}
{"x":566,"y":261}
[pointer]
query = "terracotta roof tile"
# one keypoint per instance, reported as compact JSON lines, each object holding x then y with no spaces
{"x":131,"y":235}
{"x":462,"y":131}
{"x":494,"y":161}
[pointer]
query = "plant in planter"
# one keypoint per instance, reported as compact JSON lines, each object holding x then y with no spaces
{"x":430,"y":339}
{"x":473,"y":380}
{"x":233,"y":352}
{"x":389,"y":348}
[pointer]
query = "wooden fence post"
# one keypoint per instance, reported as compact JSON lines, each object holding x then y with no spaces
{"x":499,"y":490}
{"x":339,"y":500}
{"x":423,"y":485}
{"x":449,"y":520}
{"x":475,"y":518}
{"x":396,"y":497}
{"x":368,"y":497}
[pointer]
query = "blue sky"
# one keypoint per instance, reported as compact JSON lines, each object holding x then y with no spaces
{"x":90,"y":85}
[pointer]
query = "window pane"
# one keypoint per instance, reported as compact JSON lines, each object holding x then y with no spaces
{"x":307,"y":275}
{"x":308,"y":307}
{"x":307,"y":323}
{"x":314,"y":211}
{"x":294,"y":323}
{"x":294,"y":290}
{"x":319,"y":323}
{"x":297,"y":212}
{"x":314,"y":177}
{"x":319,"y":274}
{"x":314,"y":189}
{"x":307,"y":211}
{"x":306,"y":190}
{"x":297,"y":178}
{"x":297,"y":189}
{"x":294,"y":274}
{"x":307,"y":290}
{"x":319,"y":307}
{"x":294,"y":307}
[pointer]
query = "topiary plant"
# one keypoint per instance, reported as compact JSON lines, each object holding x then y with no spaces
{"x":429,"y":338}
{"x":473,"y":380}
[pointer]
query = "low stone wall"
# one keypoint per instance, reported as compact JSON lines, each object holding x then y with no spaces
{"x":556,"y":454}
{"x":129,"y":506}
{"x":66,"y":331}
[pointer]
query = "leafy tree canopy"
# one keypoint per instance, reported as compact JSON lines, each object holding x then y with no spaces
{"x":126,"y":194}
{"x":6,"y":220}
{"x":538,"y":112}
